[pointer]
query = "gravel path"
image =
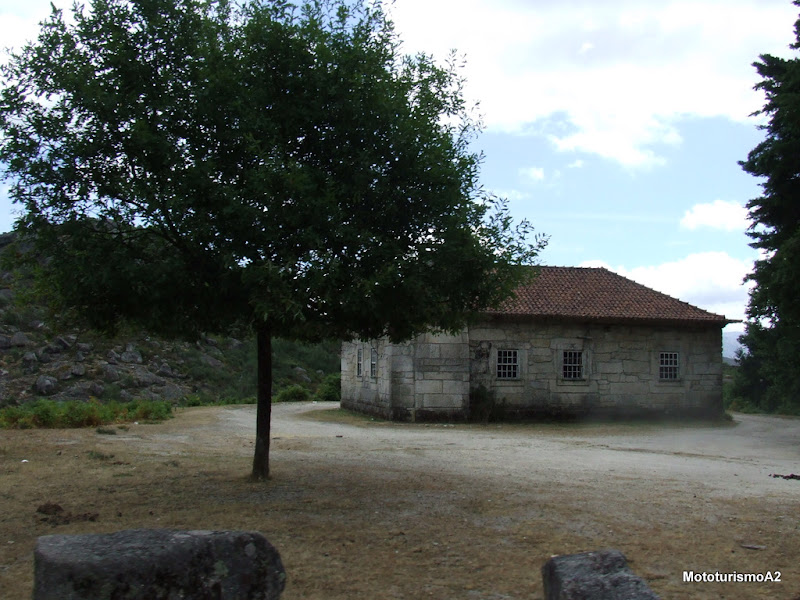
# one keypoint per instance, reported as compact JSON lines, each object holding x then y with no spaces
{"x":364,"y":509}
{"x":730,"y":461}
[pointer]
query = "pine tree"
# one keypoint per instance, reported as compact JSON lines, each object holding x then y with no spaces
{"x":768,"y":376}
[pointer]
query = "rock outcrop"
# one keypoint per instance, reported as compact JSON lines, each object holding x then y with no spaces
{"x":157,"y":564}
{"x":601,"y":575}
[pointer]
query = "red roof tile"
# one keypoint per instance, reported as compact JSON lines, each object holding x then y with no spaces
{"x":597,"y":294}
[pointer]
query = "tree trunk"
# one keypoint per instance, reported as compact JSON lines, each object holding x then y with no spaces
{"x":264,"y":411}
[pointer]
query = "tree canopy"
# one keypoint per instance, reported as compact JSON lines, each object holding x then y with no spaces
{"x":768,"y":373}
{"x":194,"y":165}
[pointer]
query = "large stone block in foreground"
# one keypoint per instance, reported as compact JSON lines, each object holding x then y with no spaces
{"x":158,"y":564}
{"x":601,"y":575}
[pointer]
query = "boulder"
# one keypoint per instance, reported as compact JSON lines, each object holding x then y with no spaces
{"x":44,"y":356}
{"x":601,"y":575}
{"x":301,"y":374}
{"x":79,"y":391}
{"x":45,"y":385}
{"x":169,"y":391}
{"x":30,"y":362}
{"x":157,"y":564}
{"x":62,"y":371}
{"x":164,"y":370}
{"x":65,"y":343}
{"x":131,"y":356}
{"x":144,"y":378}
{"x":110,"y":374}
{"x":210,"y":361}
{"x":19,"y":339}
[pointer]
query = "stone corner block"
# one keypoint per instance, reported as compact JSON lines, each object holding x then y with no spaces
{"x":600,"y":575}
{"x":157,"y":564}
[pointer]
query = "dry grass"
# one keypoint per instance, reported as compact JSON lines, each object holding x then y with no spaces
{"x":354,"y":526}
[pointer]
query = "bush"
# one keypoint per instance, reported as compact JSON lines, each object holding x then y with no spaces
{"x":73,"y":414}
{"x":484,"y":407}
{"x":45,"y":413}
{"x":148,"y":410}
{"x":293,"y":393}
{"x":330,"y":390}
{"x":85,"y":414}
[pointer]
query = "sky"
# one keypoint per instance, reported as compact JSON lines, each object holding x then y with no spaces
{"x":614,"y":127}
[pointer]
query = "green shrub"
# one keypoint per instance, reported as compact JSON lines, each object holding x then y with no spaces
{"x":293,"y":393}
{"x":45,"y":413}
{"x":330,"y":390}
{"x":16,"y":417}
{"x":86,"y":414}
{"x":75,"y":413}
{"x":149,"y":410}
{"x":484,"y":407}
{"x":194,"y":400}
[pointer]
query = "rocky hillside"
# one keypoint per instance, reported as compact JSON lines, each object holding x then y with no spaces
{"x":38,"y":359}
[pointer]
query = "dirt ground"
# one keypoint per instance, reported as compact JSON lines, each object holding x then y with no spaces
{"x":375,"y":510}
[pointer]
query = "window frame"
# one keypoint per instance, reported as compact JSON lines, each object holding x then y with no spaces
{"x":507,"y":364}
{"x":569,"y":365}
{"x":671,"y":366}
{"x":360,"y":362}
{"x":373,"y":362}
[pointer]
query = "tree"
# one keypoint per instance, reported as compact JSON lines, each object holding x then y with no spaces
{"x":196,"y":165}
{"x":768,"y":373}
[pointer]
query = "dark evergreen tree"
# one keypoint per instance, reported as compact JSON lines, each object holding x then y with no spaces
{"x":195,"y":165}
{"x":768,"y":374}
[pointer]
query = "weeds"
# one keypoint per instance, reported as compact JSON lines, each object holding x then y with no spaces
{"x":484,"y":406}
{"x":330,"y":390}
{"x":95,"y":455}
{"x":49,"y":414}
{"x":293,"y":393}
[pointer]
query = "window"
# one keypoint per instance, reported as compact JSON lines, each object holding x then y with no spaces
{"x":572,"y":364}
{"x":373,"y":363}
{"x":507,"y":364}
{"x":360,"y":362}
{"x":668,"y":366}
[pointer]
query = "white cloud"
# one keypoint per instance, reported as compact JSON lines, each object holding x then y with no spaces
{"x":511,"y":194}
{"x":534,"y":173}
{"x":622,"y":72}
{"x":576,"y":164}
{"x":19,"y":21}
{"x":727,"y":216}
{"x":710,"y":280}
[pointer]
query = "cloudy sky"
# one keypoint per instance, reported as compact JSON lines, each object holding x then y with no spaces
{"x":615,"y":127}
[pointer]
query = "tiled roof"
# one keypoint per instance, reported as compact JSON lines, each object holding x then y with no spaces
{"x":597,"y":294}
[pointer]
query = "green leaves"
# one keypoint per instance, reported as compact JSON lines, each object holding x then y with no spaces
{"x":767,"y":376}
{"x":193,"y":164}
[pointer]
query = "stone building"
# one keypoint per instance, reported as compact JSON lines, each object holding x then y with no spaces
{"x":574,"y":341}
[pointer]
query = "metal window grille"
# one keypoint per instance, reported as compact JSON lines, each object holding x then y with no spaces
{"x":373,"y":363}
{"x":507,"y":364}
{"x":360,"y":363}
{"x":572,"y":367}
{"x":668,"y":366}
